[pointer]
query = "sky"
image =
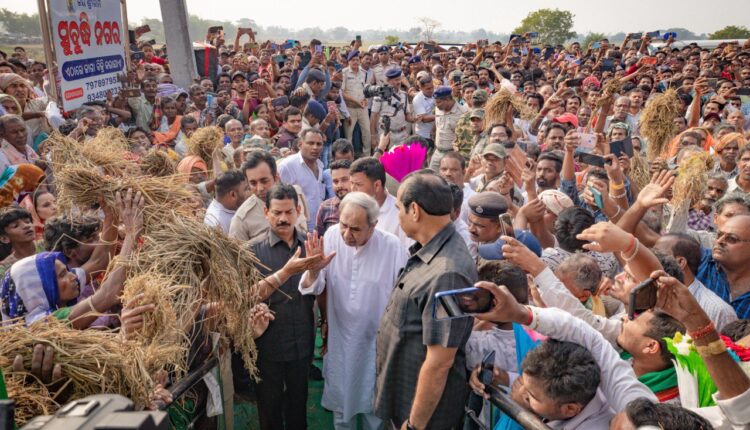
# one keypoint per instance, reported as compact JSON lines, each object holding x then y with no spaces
{"x":601,"y":16}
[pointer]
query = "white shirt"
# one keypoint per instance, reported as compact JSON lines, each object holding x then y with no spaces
{"x":728,"y":414}
{"x":358,"y":284}
{"x":294,"y":171}
{"x":555,"y":294}
{"x":619,"y":385}
{"x":468,"y":192}
{"x":463,"y":230}
{"x":388,"y":220}
{"x":720,"y":312}
{"x":424,"y":106}
{"x":218,"y":215}
{"x":732,"y":187}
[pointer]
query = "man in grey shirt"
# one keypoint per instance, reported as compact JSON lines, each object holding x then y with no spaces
{"x":420,"y":361}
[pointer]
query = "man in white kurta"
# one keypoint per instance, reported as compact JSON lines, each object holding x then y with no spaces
{"x":358,"y":283}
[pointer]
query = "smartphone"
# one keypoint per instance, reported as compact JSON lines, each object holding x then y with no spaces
{"x":548,"y":52}
{"x":430,"y":47}
{"x":620,"y":147}
{"x":210,"y":99}
{"x":653,"y":34}
{"x":514,"y":35}
{"x":596,"y":45}
{"x":358,"y":38}
{"x":712,"y":83}
{"x":287,"y":45}
{"x":215,"y":29}
{"x":456,"y":79}
{"x":461,"y":303}
{"x":534,"y":34}
{"x":318,"y":49}
{"x":649,"y":61}
{"x":137,"y":56}
{"x":281,"y":101}
{"x":306,"y":57}
{"x":598,"y":200}
{"x":331,"y":106}
{"x":279,"y":58}
{"x":744,"y":91}
{"x":590,"y":159}
{"x":642,"y":298}
{"x":608,"y":65}
{"x":536,"y":51}
{"x":572,"y":83}
{"x":515,"y":60}
{"x":587,"y":142}
{"x":131,"y":92}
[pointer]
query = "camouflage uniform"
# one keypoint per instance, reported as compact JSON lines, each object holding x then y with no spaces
{"x":465,"y":138}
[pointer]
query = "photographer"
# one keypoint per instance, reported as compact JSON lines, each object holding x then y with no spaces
{"x":391,"y":111}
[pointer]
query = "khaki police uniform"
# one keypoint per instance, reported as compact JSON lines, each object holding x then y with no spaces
{"x":250,"y":220}
{"x":400,"y":127}
{"x":353,"y":86}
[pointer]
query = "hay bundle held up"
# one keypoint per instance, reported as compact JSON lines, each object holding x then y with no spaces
{"x":105,"y":151}
{"x":82,"y":188}
{"x":92,"y":361}
{"x":32,"y":397}
{"x":163,"y":336}
{"x":158,"y":163}
{"x":205,"y":141}
{"x":692,"y":178}
{"x":611,"y":88}
{"x":640,"y":172}
{"x":657,"y":122}
{"x":218,"y":269}
{"x":496,"y":110}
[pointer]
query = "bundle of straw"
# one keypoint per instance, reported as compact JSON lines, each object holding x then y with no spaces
{"x":640,"y":172}
{"x":163,"y":336}
{"x":608,"y":92}
{"x":205,"y":141}
{"x":97,"y":153}
{"x":218,"y":269}
{"x":111,"y":137}
{"x":496,"y":110}
{"x":82,"y":188}
{"x":32,"y":397}
{"x":657,"y":122}
{"x":92,"y":361}
{"x":158,"y":163}
{"x":692,"y":178}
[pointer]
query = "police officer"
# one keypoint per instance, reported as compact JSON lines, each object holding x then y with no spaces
{"x":447,"y":114}
{"x":384,"y":63}
{"x":353,"y":84}
{"x":399,"y":112}
{"x":484,"y":224}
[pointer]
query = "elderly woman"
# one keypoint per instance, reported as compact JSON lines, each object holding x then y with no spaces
{"x":42,"y":285}
{"x":32,"y":107}
{"x":726,"y":151}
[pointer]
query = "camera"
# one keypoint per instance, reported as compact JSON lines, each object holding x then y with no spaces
{"x":101,"y":411}
{"x":385,"y":92}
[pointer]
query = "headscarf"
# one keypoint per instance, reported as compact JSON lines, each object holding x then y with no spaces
{"x":169,"y":90}
{"x":30,"y":289}
{"x":13,"y":99}
{"x":17,"y":179}
{"x":6,"y":79}
{"x":674,"y":145}
{"x":729,"y":138}
{"x":185,"y":167}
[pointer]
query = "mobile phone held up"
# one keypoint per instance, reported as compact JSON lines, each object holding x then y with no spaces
{"x":598,"y":200}
{"x":590,"y":159}
{"x":642,"y":298}
{"x":461,"y":303}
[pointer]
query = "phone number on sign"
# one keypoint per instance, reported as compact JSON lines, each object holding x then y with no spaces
{"x":102,"y":95}
{"x":101,"y":83}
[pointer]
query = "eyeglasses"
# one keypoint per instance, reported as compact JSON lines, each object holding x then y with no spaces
{"x":730,"y":238}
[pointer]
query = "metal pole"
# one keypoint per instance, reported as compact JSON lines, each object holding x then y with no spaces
{"x":126,"y":39}
{"x":48,"y":52}
{"x":523,"y":417}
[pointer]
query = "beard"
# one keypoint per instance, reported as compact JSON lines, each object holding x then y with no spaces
{"x":543,"y":183}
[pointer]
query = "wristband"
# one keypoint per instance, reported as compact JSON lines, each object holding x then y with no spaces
{"x":618,"y":196}
{"x":703,"y":331}
{"x":531,"y":316}
{"x":635,"y":252}
{"x":277,"y":278}
{"x":714,"y":348}
{"x":616,"y":187}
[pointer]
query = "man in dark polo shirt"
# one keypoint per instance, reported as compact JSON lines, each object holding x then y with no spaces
{"x":421,"y":368}
{"x":285,"y":350}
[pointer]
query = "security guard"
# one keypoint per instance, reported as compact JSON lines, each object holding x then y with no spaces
{"x":447,"y":113}
{"x":399,"y":112}
{"x":352,"y":86}
{"x":485,"y":225}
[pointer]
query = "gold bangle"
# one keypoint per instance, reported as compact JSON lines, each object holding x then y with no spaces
{"x":620,"y":186}
{"x":277,"y":279}
{"x":714,"y":348}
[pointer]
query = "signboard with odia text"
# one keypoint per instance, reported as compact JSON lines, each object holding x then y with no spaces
{"x":88,"y":38}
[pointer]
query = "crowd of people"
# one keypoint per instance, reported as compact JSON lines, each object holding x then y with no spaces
{"x":557,"y":211}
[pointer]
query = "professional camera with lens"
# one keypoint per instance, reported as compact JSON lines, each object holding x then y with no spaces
{"x":385,"y":92}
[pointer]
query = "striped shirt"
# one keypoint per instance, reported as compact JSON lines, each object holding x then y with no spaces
{"x":717,"y":309}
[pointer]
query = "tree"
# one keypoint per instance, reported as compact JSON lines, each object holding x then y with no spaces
{"x":591,"y":38}
{"x":429,"y":26}
{"x":391,"y":40}
{"x":20,"y":23}
{"x":554,"y":26}
{"x":731,"y":32}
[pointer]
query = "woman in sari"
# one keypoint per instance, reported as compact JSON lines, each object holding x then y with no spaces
{"x":41,"y":205}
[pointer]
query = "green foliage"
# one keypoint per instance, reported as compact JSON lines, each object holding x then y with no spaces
{"x":731,"y":32}
{"x":390,"y":40}
{"x":20,"y":23}
{"x":554,"y":26}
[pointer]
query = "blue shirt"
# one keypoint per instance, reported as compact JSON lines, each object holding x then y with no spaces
{"x":713,"y":277}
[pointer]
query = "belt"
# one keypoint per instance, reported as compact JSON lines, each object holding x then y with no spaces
{"x":394,"y":130}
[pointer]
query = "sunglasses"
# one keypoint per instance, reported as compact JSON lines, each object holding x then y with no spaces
{"x":729,"y":238}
